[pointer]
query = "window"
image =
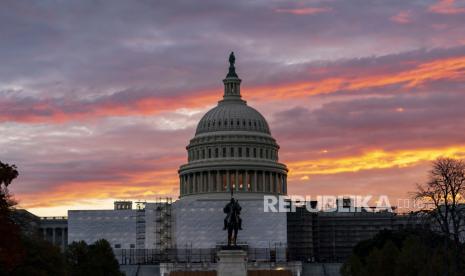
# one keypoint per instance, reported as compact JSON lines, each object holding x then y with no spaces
{"x":117,"y":245}
{"x":266,"y":154}
{"x":254,"y":152}
{"x":216,"y":153}
{"x":224,"y":152}
{"x":132,"y":245}
{"x":247,"y":152}
{"x":203,"y":153}
{"x":239,"y":152}
{"x":261,"y":153}
{"x":209,"y":153}
{"x":232,"y":152}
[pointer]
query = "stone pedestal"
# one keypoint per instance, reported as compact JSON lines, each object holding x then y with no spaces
{"x":232,"y":263}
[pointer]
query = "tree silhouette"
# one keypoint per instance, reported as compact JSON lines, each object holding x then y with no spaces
{"x":11,"y":250}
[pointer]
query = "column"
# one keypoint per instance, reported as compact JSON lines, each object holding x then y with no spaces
{"x":194,"y":183}
{"x":181,"y":186}
{"x":255,"y":184}
{"x":246,"y":181}
{"x":218,"y":183}
{"x":228,"y":178}
{"x":237,"y":180}
{"x":263,"y":182}
{"x":63,"y":245}
{"x":45,"y":233}
{"x":209,"y":182}
{"x":202,"y":182}
{"x":53,"y":235}
{"x":276,"y":184}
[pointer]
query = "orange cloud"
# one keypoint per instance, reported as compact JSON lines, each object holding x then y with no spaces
{"x":374,"y":159}
{"x":451,"y":69}
{"x":146,"y":186}
{"x":446,"y":7}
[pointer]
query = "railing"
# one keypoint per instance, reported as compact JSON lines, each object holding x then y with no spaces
{"x":54,"y":218}
{"x":191,"y":255}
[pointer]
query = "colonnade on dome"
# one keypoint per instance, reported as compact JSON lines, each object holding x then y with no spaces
{"x":239,"y":180}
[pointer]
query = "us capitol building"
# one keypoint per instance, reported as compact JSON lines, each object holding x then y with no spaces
{"x":232,"y":151}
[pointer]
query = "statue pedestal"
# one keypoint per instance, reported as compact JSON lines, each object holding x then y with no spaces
{"x":232,"y":263}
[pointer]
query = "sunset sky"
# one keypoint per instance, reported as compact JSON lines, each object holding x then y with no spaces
{"x":98,"y":99}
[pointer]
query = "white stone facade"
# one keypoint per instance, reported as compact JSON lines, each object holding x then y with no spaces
{"x":199,"y":222}
{"x":118,"y":227}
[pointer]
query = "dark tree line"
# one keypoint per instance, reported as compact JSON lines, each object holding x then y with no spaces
{"x":437,"y":250}
{"x":27,"y":254}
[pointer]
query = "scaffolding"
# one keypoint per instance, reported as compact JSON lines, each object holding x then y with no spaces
{"x":140,"y":225}
{"x":163,"y":222}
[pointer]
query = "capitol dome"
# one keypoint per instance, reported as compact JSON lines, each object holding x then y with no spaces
{"x":232,"y":149}
{"x":233,"y":116}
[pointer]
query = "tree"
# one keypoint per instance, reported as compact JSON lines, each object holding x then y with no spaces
{"x":444,"y":194}
{"x":95,"y":259}
{"x":411,"y":252}
{"x":11,"y":251}
{"x":41,"y":258}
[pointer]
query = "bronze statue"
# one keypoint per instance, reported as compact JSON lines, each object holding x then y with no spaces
{"x":232,"y":59}
{"x":233,"y":221}
{"x":232,"y":69}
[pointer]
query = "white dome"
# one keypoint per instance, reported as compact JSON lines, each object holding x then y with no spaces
{"x":232,"y":116}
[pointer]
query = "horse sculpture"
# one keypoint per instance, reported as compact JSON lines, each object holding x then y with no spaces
{"x":232,"y":222}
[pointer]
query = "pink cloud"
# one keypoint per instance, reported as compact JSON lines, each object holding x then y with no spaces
{"x":304,"y":11}
{"x":446,"y":7}
{"x":403,"y":17}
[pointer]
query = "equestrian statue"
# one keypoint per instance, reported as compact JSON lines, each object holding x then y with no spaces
{"x":233,"y":221}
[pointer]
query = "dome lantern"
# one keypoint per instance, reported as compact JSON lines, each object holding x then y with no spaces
{"x":232,"y":83}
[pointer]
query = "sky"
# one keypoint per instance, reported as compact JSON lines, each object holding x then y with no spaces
{"x":98,"y":99}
